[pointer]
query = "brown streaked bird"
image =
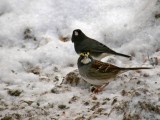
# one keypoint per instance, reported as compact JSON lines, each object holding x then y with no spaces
{"x":83,"y":43}
{"x":99,"y":73}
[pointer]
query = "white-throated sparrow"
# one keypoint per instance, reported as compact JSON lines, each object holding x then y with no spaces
{"x":99,"y":73}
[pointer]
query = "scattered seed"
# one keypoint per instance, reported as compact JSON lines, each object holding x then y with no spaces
{"x":56,"y":78}
{"x":138,"y":82}
{"x":95,"y":106}
{"x":62,"y":106}
{"x":80,"y":118}
{"x":86,"y":103}
{"x":107,"y":99}
{"x":64,"y":38}
{"x":7,"y":118}
{"x":103,"y":103}
{"x":114,"y":101}
{"x":123,"y":92}
{"x":56,"y":69}
{"x":14,"y":92}
{"x":137,"y":93}
{"x":100,"y":110}
{"x":94,"y":98}
{"x":38,"y":104}
{"x":73,"y":99}
{"x":145,"y":75}
{"x":54,"y":90}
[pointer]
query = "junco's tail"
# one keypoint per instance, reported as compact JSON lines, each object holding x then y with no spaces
{"x":120,"y":54}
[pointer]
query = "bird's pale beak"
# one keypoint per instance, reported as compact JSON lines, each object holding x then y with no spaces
{"x":76,"y":33}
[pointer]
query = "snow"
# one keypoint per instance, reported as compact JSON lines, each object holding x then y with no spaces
{"x":34,"y":59}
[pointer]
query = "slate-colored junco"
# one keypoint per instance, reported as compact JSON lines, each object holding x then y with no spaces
{"x":82,"y":43}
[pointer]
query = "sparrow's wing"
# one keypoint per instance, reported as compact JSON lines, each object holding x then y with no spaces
{"x":100,"y":70}
{"x":104,"y":67}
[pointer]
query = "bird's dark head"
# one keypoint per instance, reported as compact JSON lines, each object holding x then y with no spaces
{"x":85,"y":58}
{"x":77,"y":35}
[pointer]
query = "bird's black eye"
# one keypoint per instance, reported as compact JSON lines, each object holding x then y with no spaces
{"x":76,"y":33}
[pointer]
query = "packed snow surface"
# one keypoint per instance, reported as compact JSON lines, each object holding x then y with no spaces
{"x":36,"y":53}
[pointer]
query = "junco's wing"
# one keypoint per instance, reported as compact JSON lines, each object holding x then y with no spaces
{"x":95,"y":46}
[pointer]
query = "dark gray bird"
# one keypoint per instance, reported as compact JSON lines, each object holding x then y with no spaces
{"x":98,"y":73}
{"x":82,"y":43}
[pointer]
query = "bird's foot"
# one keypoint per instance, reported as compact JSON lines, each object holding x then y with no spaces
{"x":98,"y":89}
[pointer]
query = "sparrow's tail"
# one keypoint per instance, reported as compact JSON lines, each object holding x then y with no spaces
{"x":136,"y":68}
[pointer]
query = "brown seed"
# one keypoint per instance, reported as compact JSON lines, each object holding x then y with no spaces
{"x":114,"y":101}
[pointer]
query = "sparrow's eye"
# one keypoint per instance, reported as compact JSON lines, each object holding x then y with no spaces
{"x":76,"y":33}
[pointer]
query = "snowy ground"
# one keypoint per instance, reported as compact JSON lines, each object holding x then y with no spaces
{"x":36,"y":54}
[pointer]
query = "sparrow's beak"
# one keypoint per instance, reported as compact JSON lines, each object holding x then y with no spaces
{"x":85,"y":57}
{"x":86,"y":60}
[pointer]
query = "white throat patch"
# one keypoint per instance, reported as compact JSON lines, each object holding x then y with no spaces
{"x":76,"y":33}
{"x":86,"y":60}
